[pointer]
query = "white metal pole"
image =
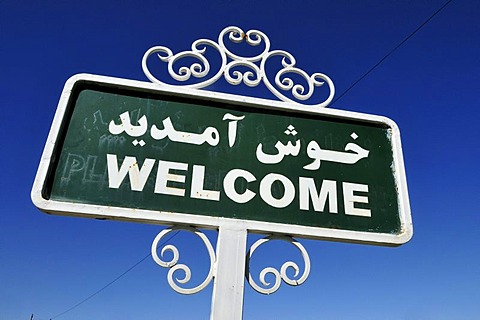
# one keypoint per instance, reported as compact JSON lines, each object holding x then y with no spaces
{"x":229,"y":282}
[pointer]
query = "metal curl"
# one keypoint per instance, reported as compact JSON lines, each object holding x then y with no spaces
{"x":197,"y":70}
{"x":237,"y":35}
{"x":250,"y":78}
{"x":201,"y":69}
{"x":269,"y":288}
{"x":255,"y":37}
{"x":173,"y":263}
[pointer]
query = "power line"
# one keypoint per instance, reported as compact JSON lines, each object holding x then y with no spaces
{"x":113,"y":281}
{"x":391,"y":51}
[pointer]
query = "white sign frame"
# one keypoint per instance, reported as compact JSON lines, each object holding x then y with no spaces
{"x":171,"y":218}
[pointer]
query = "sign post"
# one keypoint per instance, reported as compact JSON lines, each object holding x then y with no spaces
{"x":228,"y":287}
{"x":135,"y":151}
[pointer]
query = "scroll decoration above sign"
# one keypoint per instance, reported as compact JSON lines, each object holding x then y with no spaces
{"x":251,"y":78}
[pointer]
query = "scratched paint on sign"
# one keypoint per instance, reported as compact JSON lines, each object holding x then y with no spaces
{"x":154,"y":152}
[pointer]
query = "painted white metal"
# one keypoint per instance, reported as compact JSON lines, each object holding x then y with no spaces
{"x":282,"y":274}
{"x":169,"y":218}
{"x":174,"y":266}
{"x":227,"y":268}
{"x":251,"y":78}
{"x":228,"y":265}
{"x":228,"y":286}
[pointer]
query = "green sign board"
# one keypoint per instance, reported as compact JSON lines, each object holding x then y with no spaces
{"x":128,"y":150}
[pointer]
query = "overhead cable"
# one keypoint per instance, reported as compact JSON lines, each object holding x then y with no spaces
{"x":111,"y":282}
{"x":391,"y":51}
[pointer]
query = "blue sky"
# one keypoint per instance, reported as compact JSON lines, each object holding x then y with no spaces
{"x":429,"y":87}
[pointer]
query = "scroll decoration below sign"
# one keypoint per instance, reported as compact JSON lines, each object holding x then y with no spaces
{"x":175,"y":266}
{"x":269,"y":288}
{"x":231,"y":61}
{"x":265,"y":287}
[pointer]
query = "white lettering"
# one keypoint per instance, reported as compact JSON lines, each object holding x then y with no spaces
{"x":138,"y":178}
{"x":350,"y":199}
{"x":266,"y":190}
{"x":308,"y":190}
{"x":169,"y":181}
{"x":198,"y":177}
{"x":229,"y":185}
{"x":164,"y":175}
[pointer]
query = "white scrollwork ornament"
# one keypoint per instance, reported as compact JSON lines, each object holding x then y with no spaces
{"x":252,"y":78}
{"x":269,"y":288}
{"x":173,"y":263}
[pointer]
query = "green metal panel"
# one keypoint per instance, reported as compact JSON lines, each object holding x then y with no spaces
{"x":79,"y":171}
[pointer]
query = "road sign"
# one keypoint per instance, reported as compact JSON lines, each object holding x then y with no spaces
{"x":129,"y":150}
